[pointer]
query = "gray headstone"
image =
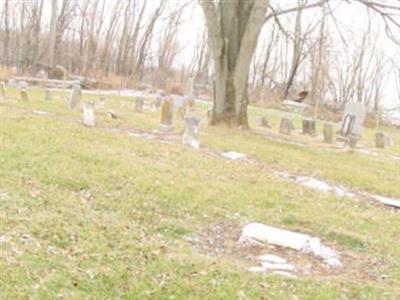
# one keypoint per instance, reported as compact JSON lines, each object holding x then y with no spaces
{"x":88,"y":114}
{"x":159,"y":101}
{"x":24,"y":95}
{"x":286,"y":126}
{"x":328,"y":133}
{"x":383,"y":140}
{"x":264,"y":122}
{"x":309,"y":126}
{"x":353,"y":120}
{"x":75,"y":97}
{"x":191,"y":133}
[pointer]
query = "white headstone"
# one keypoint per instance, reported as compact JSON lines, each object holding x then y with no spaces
{"x":191,"y":134}
{"x":353,"y":119}
{"x":88,"y":114}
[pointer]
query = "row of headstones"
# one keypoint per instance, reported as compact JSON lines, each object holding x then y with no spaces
{"x":309,"y":128}
{"x":186,"y":110}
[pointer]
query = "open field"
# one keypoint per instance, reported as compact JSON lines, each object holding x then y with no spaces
{"x":96,"y":213}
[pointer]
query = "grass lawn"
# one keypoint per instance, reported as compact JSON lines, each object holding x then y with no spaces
{"x":87,"y":213}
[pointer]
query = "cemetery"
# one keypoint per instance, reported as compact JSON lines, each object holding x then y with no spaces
{"x":200,"y":149}
{"x":135,"y":132}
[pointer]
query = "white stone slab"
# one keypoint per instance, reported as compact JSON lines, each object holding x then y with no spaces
{"x":233,"y":155}
{"x":257,"y":232}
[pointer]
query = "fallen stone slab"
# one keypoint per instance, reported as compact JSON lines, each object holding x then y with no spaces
{"x":387,"y":201}
{"x":256,"y":233}
{"x":233,"y":155}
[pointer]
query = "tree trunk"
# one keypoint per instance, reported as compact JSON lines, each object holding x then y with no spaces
{"x":233,"y":30}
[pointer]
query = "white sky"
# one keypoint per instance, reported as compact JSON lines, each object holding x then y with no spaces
{"x":350,"y":17}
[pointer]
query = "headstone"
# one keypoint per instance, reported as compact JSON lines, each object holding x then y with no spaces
{"x":24,"y":95}
{"x":88,"y":114}
{"x":191,"y":133}
{"x":22,"y":85}
{"x":166,"y":115}
{"x":47,"y":95}
{"x":286,"y":126}
{"x":380,"y":140}
{"x":353,"y":120}
{"x":309,"y":126}
{"x":2,"y":90}
{"x":264,"y":122}
{"x":75,"y":97}
{"x":328,"y":133}
{"x":139,"y":101}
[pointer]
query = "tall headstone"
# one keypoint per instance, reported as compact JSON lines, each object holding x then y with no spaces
{"x":88,"y":114}
{"x":24,"y":95}
{"x":75,"y":97}
{"x":47,"y":95}
{"x":353,"y":119}
{"x":166,"y":115}
{"x":328,"y":133}
{"x":139,"y":101}
{"x":309,"y":127}
{"x":285,"y":126}
{"x":191,"y":133}
{"x":2,"y":90}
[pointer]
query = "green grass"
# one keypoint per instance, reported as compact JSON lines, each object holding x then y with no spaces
{"x":90,"y":214}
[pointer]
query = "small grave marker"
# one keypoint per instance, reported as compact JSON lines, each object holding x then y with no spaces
{"x":264,"y":122}
{"x":75,"y":97}
{"x":191,"y":133}
{"x":328,"y":133}
{"x":24,"y":95}
{"x":166,"y":115}
{"x":286,"y":126}
{"x":309,"y":126}
{"x":88,"y":114}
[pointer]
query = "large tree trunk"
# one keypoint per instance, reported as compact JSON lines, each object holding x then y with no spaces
{"x":233,"y":30}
